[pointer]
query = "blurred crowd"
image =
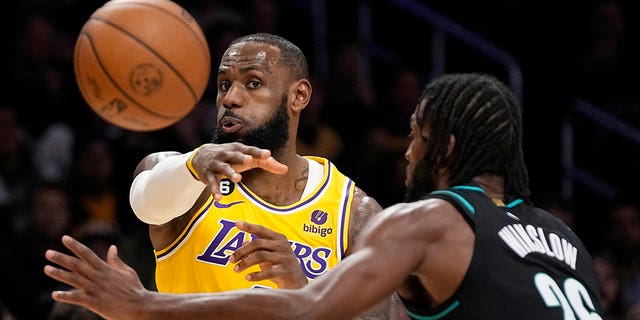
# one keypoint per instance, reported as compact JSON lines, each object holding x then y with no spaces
{"x":64,"y":170}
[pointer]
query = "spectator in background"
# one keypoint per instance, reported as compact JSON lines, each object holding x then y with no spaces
{"x":48,"y":217}
{"x":98,"y":235}
{"x":53,"y":154}
{"x":610,"y":287}
{"x":624,"y":239}
{"x":264,"y":16}
{"x":221,"y":24}
{"x":93,"y":181}
{"x":43,"y":70}
{"x":351,"y":91}
{"x":315,"y":135}
{"x":195,"y":127}
{"x":602,"y":62}
{"x":388,"y":137}
{"x":16,"y":170}
{"x":552,"y":200}
{"x":65,"y":311}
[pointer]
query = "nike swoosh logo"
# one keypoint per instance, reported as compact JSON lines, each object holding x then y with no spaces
{"x":225,"y":205}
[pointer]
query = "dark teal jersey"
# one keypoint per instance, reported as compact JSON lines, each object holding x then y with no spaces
{"x":527,"y":264}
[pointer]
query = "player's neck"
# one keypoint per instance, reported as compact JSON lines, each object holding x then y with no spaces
{"x":492,"y":185}
{"x":279,"y":189}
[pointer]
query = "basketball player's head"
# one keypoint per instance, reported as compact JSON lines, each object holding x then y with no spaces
{"x":465,"y":125}
{"x":262,"y":87}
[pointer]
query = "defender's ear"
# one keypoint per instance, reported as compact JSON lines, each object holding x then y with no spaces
{"x":444,"y":173}
{"x":452,"y":144}
{"x":300,"y":94}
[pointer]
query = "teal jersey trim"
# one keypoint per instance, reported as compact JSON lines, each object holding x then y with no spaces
{"x":440,"y":315}
{"x":472,"y":188}
{"x":459,"y":198}
{"x":513,"y":203}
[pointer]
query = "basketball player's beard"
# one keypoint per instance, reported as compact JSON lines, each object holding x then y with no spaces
{"x":422,"y":182}
{"x":273,"y":135}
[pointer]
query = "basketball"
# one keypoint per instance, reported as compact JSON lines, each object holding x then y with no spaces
{"x":141,"y":64}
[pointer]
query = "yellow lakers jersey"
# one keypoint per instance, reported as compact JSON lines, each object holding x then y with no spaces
{"x":316,"y":227}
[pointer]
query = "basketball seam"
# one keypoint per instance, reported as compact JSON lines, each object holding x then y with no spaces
{"x":140,"y":105}
{"x":203,"y":45}
{"x":178,"y":74}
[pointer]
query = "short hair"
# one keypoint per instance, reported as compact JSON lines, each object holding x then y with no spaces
{"x":486,"y":120}
{"x":291,"y":56}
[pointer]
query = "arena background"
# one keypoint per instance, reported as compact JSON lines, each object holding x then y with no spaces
{"x":572,"y":64}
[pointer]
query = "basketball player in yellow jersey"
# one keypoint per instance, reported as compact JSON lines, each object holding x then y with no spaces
{"x":198,"y":260}
{"x":308,"y":213}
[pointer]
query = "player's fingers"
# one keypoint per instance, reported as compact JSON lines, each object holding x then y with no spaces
{"x":252,"y":151}
{"x":265,"y":240}
{"x":282,"y":276}
{"x":269,"y":164}
{"x":82,"y":252}
{"x":72,"y":296}
{"x":215,"y":173}
{"x":59,"y":274}
{"x":259,"y":231}
{"x":232,"y":153}
{"x":71,"y":278}
{"x":271,"y":272}
{"x":75,"y":266}
{"x":247,"y":248}
{"x":211,"y":180}
{"x":60,"y":259}
{"x":257,"y":257}
{"x":273,"y":165}
{"x":114,"y":260}
{"x":213,"y":183}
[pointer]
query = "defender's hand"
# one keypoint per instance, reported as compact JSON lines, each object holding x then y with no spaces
{"x":111,"y":289}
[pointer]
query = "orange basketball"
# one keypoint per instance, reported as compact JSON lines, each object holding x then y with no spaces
{"x":142,"y":64}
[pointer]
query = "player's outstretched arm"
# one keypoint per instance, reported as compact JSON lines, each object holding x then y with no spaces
{"x":113,"y":290}
{"x":168,"y":184}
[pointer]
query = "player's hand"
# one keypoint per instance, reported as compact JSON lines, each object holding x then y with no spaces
{"x":111,"y":289}
{"x":213,"y":162}
{"x":272,"y":252}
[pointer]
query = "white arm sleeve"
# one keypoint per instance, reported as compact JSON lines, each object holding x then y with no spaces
{"x":164,"y":192}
